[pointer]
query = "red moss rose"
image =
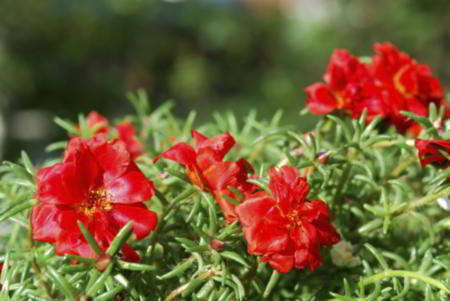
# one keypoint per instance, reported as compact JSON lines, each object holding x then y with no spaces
{"x":207,"y":170}
{"x":286,"y":229}
{"x":98,"y":184}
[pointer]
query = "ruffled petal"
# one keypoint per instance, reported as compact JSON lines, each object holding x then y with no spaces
{"x":253,"y":209}
{"x":127,"y":133}
{"x":308,"y":258}
{"x":226,"y":206}
{"x":198,"y":137}
{"x":320,"y":100}
{"x":221,"y":175}
{"x":287,"y":186}
{"x":266,"y":238}
{"x":97,"y":122}
{"x":73,"y":243}
{"x":55,"y":186}
{"x":181,"y":153}
{"x":48,"y":221}
{"x":144,"y":220}
{"x":112,"y":156}
{"x":131,"y":187}
{"x":219,"y":145}
{"x":430,"y":152}
{"x":281,"y":263}
{"x":129,"y":254}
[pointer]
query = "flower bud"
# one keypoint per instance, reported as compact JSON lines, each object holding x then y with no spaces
{"x":217,"y":245}
{"x":102,"y":262}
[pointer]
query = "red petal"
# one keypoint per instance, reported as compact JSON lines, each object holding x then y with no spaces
{"x":281,"y":263}
{"x":131,"y":187}
{"x":71,"y":242}
{"x":182,"y":153}
{"x":308,"y":258}
{"x":97,"y":122}
{"x":130,"y":255}
{"x":227,"y":207}
{"x":252,"y":210}
{"x":287,"y":186}
{"x":55,"y":186}
{"x":320,"y":100}
{"x":206,"y":158}
{"x":304,"y":237}
{"x":48,"y":221}
{"x":219,"y":145}
{"x":112,"y":156}
{"x":221,"y":175}
{"x":344,"y":69}
{"x":429,"y":152}
{"x":198,"y":137}
{"x":144,"y":220}
{"x":265,"y":237}
{"x":127,"y":133}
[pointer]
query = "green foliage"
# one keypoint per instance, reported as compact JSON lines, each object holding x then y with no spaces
{"x":381,"y":201}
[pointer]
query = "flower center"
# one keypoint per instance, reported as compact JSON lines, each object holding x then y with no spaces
{"x":294,"y":218}
{"x":97,"y":200}
{"x":397,"y":81}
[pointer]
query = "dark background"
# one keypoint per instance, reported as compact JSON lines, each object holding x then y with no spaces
{"x":62,"y":57}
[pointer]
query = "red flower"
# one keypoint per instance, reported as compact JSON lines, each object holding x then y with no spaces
{"x":411,"y":86}
{"x":98,"y":184}
{"x":96,"y":123}
{"x":206,"y":169}
{"x":286,"y":229}
{"x":343,"y":84}
{"x":430,"y":152}
{"x":127,"y":133}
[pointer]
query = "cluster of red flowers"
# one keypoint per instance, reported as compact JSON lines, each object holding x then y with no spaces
{"x":286,"y":229}
{"x":99,"y":184}
{"x":392,"y":82}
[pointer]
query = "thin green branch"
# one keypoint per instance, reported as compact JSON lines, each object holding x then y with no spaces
{"x":409,"y":274}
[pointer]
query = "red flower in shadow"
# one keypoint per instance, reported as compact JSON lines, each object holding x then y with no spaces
{"x":431,"y":152}
{"x":286,"y":229}
{"x":206,"y":169}
{"x":127,"y":133}
{"x":98,"y":184}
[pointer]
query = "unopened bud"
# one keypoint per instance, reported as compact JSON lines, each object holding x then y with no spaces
{"x":439,"y":125}
{"x":120,"y":297}
{"x":217,"y":245}
{"x":323,"y":157}
{"x":102,"y":262}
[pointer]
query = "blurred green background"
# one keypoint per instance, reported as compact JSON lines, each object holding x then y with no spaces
{"x":61,"y":57}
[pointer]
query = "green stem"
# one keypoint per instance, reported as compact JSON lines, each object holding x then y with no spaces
{"x":342,"y":184}
{"x":425,"y":200}
{"x":166,"y":211}
{"x":409,"y":274}
{"x":402,"y":166}
{"x":414,"y":205}
{"x":202,"y":277}
{"x":34,"y":264}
